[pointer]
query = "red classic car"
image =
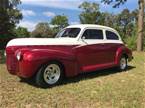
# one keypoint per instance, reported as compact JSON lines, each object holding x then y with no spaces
{"x":75,"y":49}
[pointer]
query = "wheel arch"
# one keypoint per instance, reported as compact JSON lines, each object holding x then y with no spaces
{"x":125,"y":55}
{"x":49,"y":61}
{"x":120,"y":52}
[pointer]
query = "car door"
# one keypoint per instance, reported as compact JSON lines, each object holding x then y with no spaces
{"x":91,"y":53}
{"x":112,"y":43}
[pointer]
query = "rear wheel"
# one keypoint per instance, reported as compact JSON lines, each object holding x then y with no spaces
{"x":123,"y":63}
{"x":49,"y":75}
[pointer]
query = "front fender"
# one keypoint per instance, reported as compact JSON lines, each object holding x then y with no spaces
{"x":45,"y":54}
{"x":34,"y":59}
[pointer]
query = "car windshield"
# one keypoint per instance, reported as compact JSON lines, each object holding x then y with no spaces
{"x":69,"y":32}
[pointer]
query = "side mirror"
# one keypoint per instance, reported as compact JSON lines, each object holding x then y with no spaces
{"x":83,"y":39}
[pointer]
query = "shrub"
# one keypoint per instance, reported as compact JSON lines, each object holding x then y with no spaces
{"x":131,"y":42}
{"x":4,"y":38}
{"x":2,"y":57}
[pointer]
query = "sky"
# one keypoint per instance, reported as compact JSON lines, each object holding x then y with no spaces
{"x":35,"y":11}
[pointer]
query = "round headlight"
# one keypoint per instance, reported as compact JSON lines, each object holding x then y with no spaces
{"x":18,"y":56}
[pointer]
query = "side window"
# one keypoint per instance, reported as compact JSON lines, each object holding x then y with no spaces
{"x":93,"y":34}
{"x":111,"y":36}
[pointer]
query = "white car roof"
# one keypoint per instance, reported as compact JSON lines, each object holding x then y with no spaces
{"x":82,"y":26}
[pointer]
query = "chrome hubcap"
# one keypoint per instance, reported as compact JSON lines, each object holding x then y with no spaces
{"x":51,"y":73}
{"x":123,"y":63}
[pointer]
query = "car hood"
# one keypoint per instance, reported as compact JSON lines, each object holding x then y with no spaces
{"x":42,"y":41}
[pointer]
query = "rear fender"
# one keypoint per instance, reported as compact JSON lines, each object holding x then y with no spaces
{"x":120,"y":51}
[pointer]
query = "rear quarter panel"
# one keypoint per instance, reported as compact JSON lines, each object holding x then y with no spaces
{"x":121,"y":51}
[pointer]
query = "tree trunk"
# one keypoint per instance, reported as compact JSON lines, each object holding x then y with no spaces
{"x":140,"y":26}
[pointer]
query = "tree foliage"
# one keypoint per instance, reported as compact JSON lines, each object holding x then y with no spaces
{"x":10,"y":15}
{"x":115,"y":3}
{"x":90,"y":14}
{"x":140,"y":24}
{"x":126,"y":21}
{"x":21,"y":32}
{"x":42,"y":30}
{"x":59,"y":22}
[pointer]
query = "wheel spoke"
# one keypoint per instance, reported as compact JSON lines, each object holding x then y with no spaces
{"x":52,"y":73}
{"x":123,"y":63}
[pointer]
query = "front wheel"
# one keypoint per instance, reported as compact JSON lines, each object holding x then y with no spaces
{"x":123,"y":63}
{"x":49,"y":75}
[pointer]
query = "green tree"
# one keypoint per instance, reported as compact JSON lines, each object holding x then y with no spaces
{"x":126,"y":22}
{"x":90,"y":13}
{"x":140,"y":24}
{"x":42,"y":30}
{"x":10,"y":15}
{"x":108,"y":19}
{"x":59,"y":22}
{"x":21,"y":32}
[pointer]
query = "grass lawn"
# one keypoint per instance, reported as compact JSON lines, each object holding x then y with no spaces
{"x":100,"y":89}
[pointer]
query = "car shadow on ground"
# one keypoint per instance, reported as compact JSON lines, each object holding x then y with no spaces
{"x":80,"y":77}
{"x":94,"y":74}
